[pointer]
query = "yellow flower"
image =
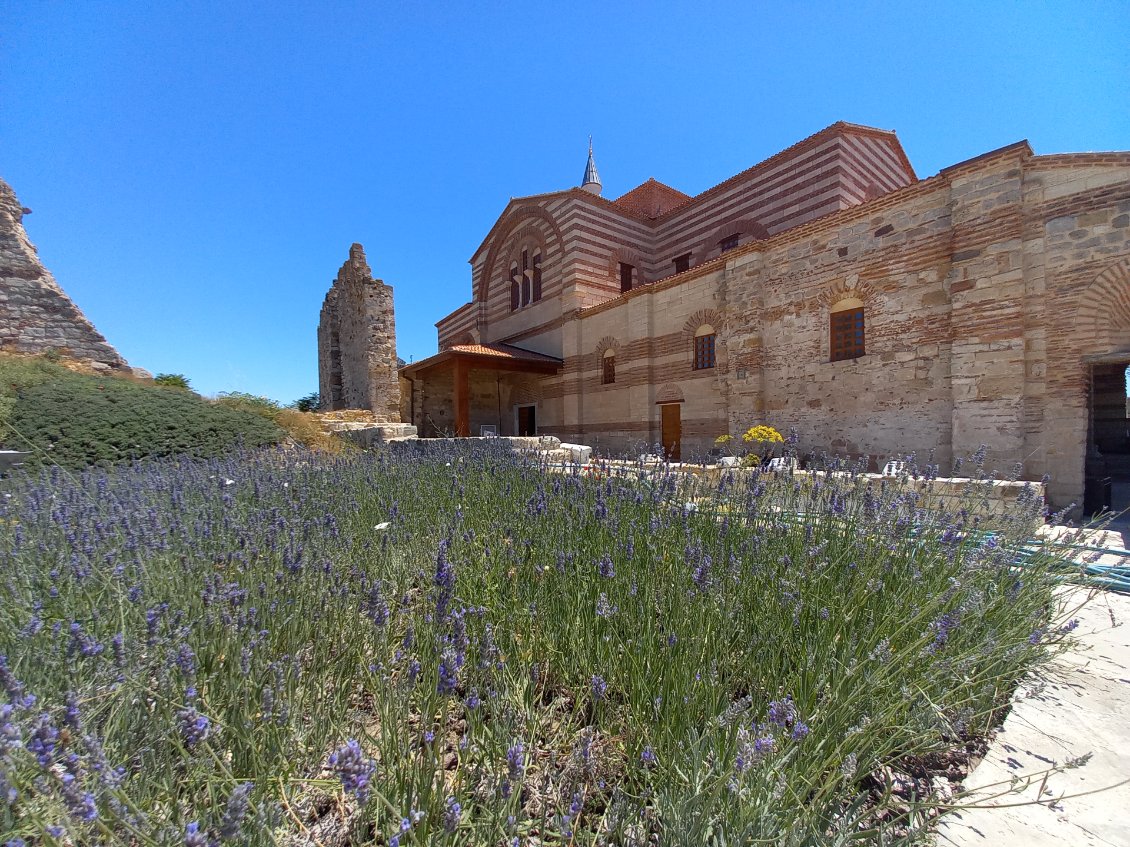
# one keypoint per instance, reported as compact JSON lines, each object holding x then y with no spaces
{"x":724,"y":439}
{"x":760,"y":433}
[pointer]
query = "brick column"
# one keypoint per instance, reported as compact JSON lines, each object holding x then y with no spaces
{"x":462,"y":399}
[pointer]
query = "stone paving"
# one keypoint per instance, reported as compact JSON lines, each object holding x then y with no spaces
{"x":1080,"y":707}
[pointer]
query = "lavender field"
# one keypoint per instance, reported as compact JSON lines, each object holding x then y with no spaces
{"x":453,"y":646}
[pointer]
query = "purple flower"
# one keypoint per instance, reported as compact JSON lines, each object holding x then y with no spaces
{"x":452,"y":812}
{"x":194,"y":727}
{"x":782,"y":712}
{"x":15,"y":689}
{"x":800,"y":730}
{"x":353,"y":769}
{"x":444,"y":581}
{"x":599,"y":688}
{"x":448,"y":672}
{"x":231,"y":824}
{"x":193,"y":837}
{"x":941,"y":629}
{"x":43,"y":740}
{"x":515,"y":761}
{"x":648,"y":757}
{"x":605,"y":567}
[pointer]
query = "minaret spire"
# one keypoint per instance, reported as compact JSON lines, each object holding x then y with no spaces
{"x":591,"y":182}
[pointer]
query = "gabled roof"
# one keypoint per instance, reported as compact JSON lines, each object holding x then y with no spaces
{"x":495,"y":354}
{"x":651,"y":199}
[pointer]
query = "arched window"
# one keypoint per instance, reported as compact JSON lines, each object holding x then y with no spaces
{"x":729,"y":242}
{"x":525,"y":277}
{"x":514,"y":288}
{"x":537,"y":277}
{"x":608,"y":367}
{"x":846,"y":330}
{"x":704,"y":347}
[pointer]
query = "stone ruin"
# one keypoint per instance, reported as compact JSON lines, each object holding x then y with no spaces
{"x":36,"y":315}
{"x":357,"y":365}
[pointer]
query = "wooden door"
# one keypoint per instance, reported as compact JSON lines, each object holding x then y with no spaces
{"x":527,"y":421}
{"x":671,"y":427}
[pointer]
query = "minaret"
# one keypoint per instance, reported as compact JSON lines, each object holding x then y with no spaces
{"x":591,"y":182}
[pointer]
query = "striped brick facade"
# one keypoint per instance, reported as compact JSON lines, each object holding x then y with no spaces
{"x":993,"y":293}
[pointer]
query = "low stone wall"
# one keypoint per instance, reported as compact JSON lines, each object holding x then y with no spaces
{"x":993,"y":496}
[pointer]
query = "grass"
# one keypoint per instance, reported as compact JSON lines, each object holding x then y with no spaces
{"x":451,"y":646}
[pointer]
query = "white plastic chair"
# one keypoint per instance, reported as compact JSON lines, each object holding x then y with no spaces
{"x":894,"y":468}
{"x":783,"y":463}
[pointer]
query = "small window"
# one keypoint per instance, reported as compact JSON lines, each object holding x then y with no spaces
{"x":847,"y":334}
{"x":704,"y":348}
{"x":537,"y":276}
{"x":608,"y":368}
{"x":729,"y":242}
{"x":682,"y":263}
{"x":514,"y":288}
{"x":626,"y":276}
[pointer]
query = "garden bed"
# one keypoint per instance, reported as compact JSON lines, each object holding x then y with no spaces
{"x":450,"y":646}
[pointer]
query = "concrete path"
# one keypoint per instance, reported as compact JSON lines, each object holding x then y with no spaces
{"x":1081,"y":707}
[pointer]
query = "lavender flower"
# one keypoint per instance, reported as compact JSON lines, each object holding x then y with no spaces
{"x":43,"y":740}
{"x":231,"y":824}
{"x":353,"y":769}
{"x":193,"y":837}
{"x":599,"y":688}
{"x":194,"y":727}
{"x":452,"y":812}
{"x":605,"y":567}
{"x":444,"y":581}
{"x":782,"y":712}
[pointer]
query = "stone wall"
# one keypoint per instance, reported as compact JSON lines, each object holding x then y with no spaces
{"x":357,"y":366}
{"x":36,"y":315}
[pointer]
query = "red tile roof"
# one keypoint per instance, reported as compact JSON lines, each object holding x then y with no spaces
{"x":651,"y":199}
{"x":503,"y":351}
{"x":496,"y":352}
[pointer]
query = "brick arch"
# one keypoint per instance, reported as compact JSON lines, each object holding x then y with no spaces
{"x":742,"y":226}
{"x":518,"y":216}
{"x":528,"y":234}
{"x":1104,"y":307}
{"x":704,"y":316}
{"x":603,"y":346}
{"x":629,"y":256}
{"x":851,"y":286}
{"x":669,"y":393}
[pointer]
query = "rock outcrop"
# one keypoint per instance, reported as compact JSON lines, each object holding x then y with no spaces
{"x":36,"y":315}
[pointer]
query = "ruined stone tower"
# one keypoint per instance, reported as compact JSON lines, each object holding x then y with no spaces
{"x":36,"y":315}
{"x":357,"y":343}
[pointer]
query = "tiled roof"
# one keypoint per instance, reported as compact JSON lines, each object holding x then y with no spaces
{"x":495,"y":351}
{"x":503,"y":351}
{"x":651,"y":199}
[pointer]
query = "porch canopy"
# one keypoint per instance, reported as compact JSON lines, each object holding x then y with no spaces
{"x":463,"y":358}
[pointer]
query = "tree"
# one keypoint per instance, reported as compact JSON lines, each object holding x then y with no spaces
{"x":309,"y":403}
{"x":173,"y":381}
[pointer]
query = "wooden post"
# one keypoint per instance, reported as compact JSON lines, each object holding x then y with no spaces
{"x":462,"y":399}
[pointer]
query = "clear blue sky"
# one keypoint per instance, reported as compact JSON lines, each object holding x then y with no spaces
{"x":197,"y":171}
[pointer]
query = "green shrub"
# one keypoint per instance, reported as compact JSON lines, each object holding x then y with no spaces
{"x":254,"y":404}
{"x":308,"y":403}
{"x":172,"y":381}
{"x":76,"y":420}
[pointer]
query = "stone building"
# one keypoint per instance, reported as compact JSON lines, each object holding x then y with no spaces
{"x":357,"y":366}
{"x":826,"y":289}
{"x":36,"y":315}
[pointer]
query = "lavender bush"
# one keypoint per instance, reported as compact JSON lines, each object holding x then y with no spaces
{"x":453,"y":646}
